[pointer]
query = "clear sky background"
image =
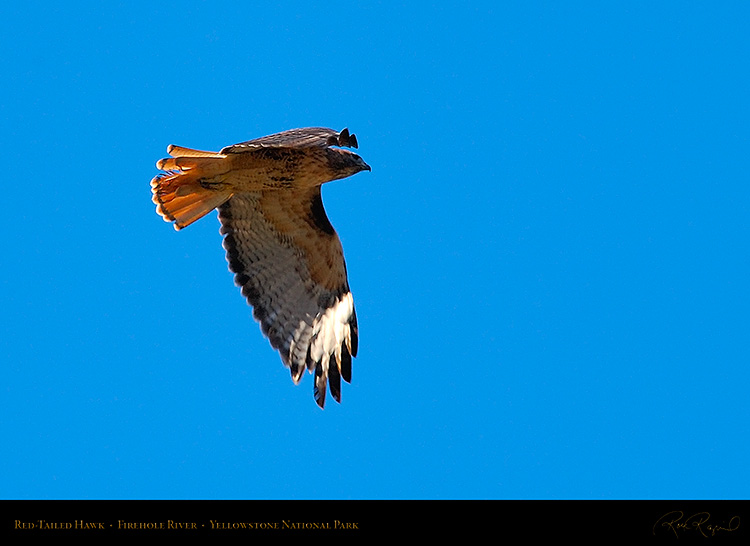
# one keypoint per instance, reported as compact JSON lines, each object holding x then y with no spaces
{"x":549,"y":258}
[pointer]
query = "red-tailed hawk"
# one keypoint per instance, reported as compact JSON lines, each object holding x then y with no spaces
{"x":284,"y":252}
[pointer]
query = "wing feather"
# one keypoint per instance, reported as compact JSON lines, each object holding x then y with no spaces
{"x":309,"y":137}
{"x":289,"y":263}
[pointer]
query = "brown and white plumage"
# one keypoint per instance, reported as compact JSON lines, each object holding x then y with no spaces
{"x":283,"y":250}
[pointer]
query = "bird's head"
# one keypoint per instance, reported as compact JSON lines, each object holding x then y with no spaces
{"x":344,"y":163}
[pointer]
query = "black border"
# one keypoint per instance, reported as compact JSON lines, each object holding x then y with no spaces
{"x":673,"y":521}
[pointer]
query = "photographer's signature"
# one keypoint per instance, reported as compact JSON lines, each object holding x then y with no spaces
{"x":700,"y":522}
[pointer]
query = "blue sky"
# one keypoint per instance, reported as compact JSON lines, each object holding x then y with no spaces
{"x":549,"y":258}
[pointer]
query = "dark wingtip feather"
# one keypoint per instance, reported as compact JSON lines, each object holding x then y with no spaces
{"x":344,"y":138}
{"x":319,"y":387}
{"x":346,"y":363}
{"x":354,"y":329}
{"x":334,"y":382}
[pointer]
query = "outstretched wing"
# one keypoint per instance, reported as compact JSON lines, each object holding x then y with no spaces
{"x":309,"y":137}
{"x":288,"y":261}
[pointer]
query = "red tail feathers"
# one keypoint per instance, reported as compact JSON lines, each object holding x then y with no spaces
{"x":181,"y":194}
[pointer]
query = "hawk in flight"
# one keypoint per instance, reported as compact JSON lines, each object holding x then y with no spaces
{"x":283,"y":251}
